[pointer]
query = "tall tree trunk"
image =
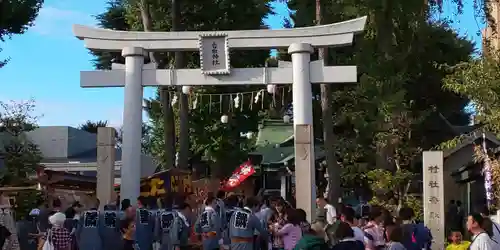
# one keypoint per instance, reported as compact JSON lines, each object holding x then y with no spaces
{"x":183,"y":100}
{"x":385,"y":37}
{"x":328,"y":137}
{"x":168,"y":115}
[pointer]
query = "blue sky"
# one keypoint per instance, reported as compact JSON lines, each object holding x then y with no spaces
{"x":46,"y":61}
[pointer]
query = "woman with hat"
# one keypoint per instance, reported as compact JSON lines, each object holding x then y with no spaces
{"x":58,"y":236}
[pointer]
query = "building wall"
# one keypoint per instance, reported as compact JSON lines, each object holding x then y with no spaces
{"x":52,"y":141}
{"x":62,"y":142}
{"x":80,"y":141}
{"x":453,"y":190}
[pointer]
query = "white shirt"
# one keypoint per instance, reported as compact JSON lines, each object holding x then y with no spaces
{"x":331,"y":214}
{"x":482,"y":242}
{"x":358,"y":234}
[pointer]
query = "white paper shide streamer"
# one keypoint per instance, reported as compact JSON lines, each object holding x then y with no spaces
{"x":237,"y":101}
{"x":174,"y":100}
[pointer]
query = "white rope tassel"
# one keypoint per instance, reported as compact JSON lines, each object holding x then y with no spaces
{"x":195,"y":102}
{"x":237,"y":101}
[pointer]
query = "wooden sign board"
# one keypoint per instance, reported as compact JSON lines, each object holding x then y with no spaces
{"x":214,"y":54}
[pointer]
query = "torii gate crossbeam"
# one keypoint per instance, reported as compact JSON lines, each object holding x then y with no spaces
{"x":299,"y":41}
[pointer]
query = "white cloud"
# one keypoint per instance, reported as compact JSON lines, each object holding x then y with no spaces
{"x":57,"y":22}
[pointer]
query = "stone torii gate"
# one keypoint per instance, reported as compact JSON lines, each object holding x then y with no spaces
{"x":215,"y":70}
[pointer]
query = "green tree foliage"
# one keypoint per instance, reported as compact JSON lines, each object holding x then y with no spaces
{"x":393,"y":112}
{"x":478,"y":80}
{"x":391,"y":190}
{"x":209,"y":138}
{"x":19,"y":157}
{"x":92,"y":127}
{"x":25,"y":201}
{"x":112,"y":18}
{"x":16,"y":16}
{"x":145,"y":140}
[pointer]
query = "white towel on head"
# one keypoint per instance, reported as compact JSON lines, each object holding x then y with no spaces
{"x":57,"y":219}
{"x":35,"y":212}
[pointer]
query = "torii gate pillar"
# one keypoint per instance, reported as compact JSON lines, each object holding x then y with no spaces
{"x":132,"y":124}
{"x":305,"y":186}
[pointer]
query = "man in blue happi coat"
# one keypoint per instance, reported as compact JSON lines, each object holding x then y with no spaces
{"x":231,"y":205}
{"x":209,"y":225}
{"x":220,"y":207}
{"x":264,"y":215}
{"x":109,"y":227}
{"x":87,"y":232}
{"x":243,"y":225}
{"x":184,"y":213}
{"x":167,"y":227}
{"x":144,"y":228}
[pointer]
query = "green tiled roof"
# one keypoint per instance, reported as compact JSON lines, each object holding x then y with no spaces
{"x":274,"y":132}
{"x":271,"y":144}
{"x":280,"y":155}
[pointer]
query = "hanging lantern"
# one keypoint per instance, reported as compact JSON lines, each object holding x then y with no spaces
{"x":186,"y":90}
{"x":224,"y":119}
{"x":286,"y":119}
{"x":249,"y":135}
{"x":271,"y":88}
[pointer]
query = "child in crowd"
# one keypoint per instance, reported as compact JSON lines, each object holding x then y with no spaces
{"x":304,"y":224}
{"x":456,"y":241}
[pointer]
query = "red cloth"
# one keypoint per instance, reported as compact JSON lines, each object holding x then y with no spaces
{"x":239,"y":175}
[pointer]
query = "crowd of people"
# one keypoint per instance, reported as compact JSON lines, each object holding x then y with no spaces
{"x":226,"y":221}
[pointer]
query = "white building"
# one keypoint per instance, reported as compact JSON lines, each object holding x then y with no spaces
{"x":75,"y":151}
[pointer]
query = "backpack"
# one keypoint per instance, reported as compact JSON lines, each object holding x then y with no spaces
{"x":416,"y":237}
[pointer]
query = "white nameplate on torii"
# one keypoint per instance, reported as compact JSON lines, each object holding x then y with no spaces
{"x":238,"y":76}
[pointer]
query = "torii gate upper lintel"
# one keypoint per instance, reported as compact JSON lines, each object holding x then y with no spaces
{"x":216,"y":70}
{"x":329,"y":35}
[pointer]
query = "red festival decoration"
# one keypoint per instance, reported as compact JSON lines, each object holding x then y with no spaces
{"x":239,"y":175}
